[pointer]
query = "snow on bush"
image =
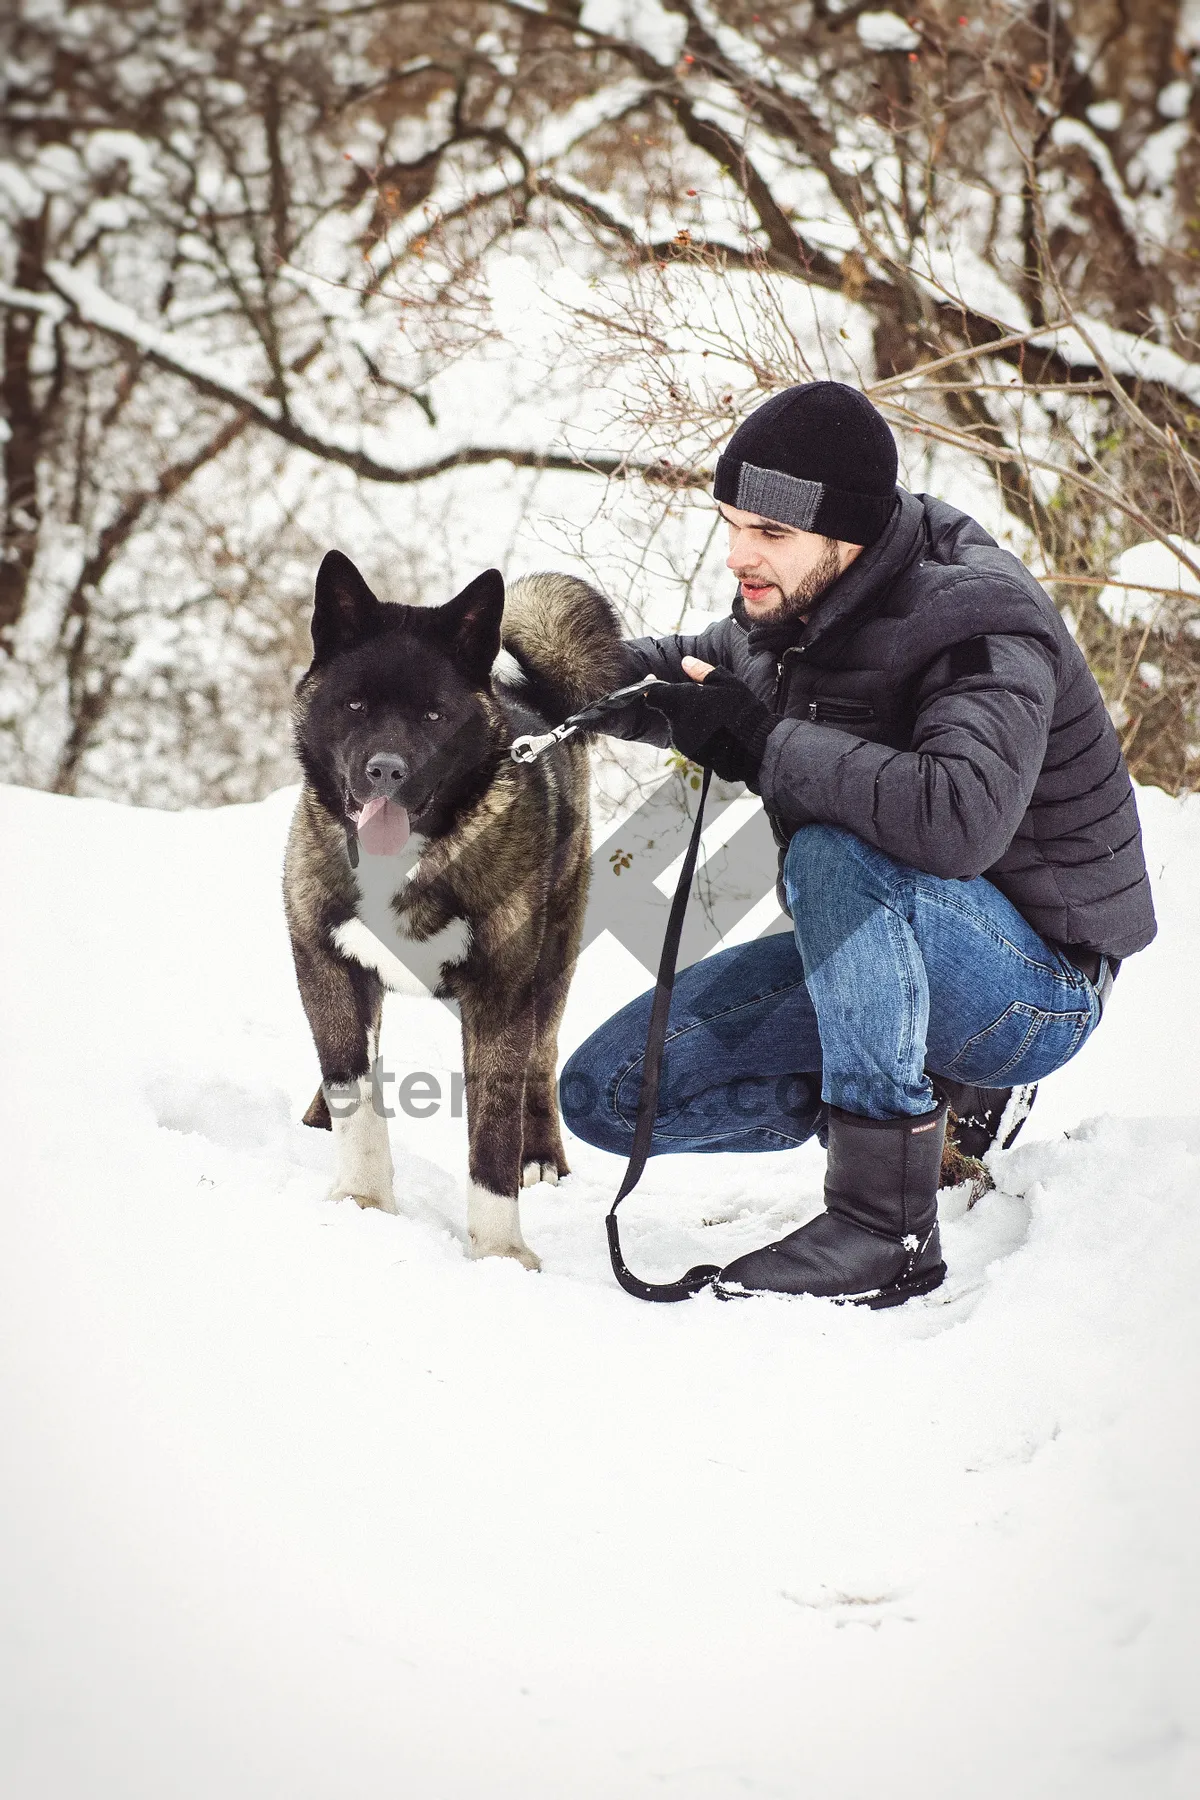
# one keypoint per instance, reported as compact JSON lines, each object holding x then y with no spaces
{"x":886,"y":31}
{"x":1163,"y":590}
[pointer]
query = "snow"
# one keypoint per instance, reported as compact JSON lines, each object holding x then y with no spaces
{"x":1124,"y":353}
{"x":16,"y":187}
{"x":1159,"y":582}
{"x":643,"y":22}
{"x":363,"y":446}
{"x":1155,"y":164}
{"x":95,"y":307}
{"x":1105,"y":115}
{"x":48,"y":304}
{"x":1174,"y":99}
{"x":886,"y":31}
{"x":300,"y":1501}
{"x":1073,"y":133}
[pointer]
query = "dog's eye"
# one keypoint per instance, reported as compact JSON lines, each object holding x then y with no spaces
{"x":433,"y":717}
{"x":357,"y":705}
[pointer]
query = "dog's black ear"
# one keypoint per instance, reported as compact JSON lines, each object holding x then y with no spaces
{"x":471,"y":622}
{"x":345,"y":611}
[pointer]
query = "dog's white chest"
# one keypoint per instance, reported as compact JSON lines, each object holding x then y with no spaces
{"x":376,"y":938}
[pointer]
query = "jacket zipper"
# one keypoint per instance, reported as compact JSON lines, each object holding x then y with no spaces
{"x":779,"y":679}
{"x":776,"y":830}
{"x":841,"y":712}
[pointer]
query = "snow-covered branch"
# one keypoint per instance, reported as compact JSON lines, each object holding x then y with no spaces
{"x":82,"y":299}
{"x":1090,"y":344}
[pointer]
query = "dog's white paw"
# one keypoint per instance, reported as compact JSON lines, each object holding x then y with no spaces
{"x":494,"y":1227}
{"x":381,"y":1199}
{"x":363,"y":1154}
{"x":533,"y":1172}
{"x":528,"y":1259}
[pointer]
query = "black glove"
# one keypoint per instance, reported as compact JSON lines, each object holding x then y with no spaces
{"x":717,"y":722}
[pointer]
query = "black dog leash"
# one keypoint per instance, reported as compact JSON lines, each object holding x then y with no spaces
{"x":643,"y":1131}
{"x":527,"y":749}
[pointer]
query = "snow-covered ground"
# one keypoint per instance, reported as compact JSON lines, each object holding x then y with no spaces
{"x":299,"y":1502}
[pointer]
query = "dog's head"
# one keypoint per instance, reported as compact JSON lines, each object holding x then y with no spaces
{"x":395,"y":721}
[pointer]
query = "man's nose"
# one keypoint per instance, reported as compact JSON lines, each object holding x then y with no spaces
{"x":741,"y":555}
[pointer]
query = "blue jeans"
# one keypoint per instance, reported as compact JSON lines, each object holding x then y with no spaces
{"x":887,"y":973}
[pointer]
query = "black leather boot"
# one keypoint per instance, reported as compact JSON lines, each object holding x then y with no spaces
{"x":982,"y":1116}
{"x":876,"y":1243}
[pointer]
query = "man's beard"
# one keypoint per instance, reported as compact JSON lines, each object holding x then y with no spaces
{"x":799,"y":604}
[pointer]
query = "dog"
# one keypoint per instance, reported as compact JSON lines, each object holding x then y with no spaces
{"x":422,"y":859}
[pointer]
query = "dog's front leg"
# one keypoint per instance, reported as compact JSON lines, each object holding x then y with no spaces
{"x":495,"y":1055}
{"x":344,"y":1003}
{"x":360,"y":1135}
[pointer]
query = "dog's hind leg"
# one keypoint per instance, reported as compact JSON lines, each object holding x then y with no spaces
{"x":542,"y":1154}
{"x":344,"y":1004}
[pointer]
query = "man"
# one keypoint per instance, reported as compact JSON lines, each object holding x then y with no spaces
{"x":959,"y":845}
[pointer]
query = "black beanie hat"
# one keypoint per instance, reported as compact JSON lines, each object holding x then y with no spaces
{"x":819,"y":457}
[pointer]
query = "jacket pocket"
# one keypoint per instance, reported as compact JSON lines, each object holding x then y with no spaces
{"x":831,"y":711}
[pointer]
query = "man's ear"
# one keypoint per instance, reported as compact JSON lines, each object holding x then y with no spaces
{"x":471,"y":624}
{"x":345,"y":611}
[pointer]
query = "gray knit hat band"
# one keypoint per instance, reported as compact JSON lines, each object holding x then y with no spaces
{"x":774,"y":495}
{"x":806,"y":505}
{"x":818,"y":457}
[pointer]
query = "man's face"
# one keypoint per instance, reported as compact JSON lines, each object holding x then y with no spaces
{"x":782,"y":571}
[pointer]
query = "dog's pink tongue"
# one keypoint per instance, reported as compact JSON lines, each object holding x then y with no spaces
{"x":382,"y":828}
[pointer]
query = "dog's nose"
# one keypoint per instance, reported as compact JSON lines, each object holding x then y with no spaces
{"x":385,"y":772}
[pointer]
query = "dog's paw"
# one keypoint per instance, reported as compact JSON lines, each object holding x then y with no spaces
{"x":528,"y":1259}
{"x":533,"y":1172}
{"x":379,"y":1199}
{"x":494,"y":1227}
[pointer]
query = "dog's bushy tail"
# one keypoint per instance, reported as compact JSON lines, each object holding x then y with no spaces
{"x":565,"y":638}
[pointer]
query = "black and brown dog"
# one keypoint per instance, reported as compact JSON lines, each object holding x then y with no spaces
{"x":423,"y":859}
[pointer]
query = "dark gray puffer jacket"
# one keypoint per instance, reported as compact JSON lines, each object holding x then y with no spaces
{"x":936,"y":705}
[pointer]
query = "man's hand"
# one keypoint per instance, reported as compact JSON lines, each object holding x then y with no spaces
{"x":715,"y":720}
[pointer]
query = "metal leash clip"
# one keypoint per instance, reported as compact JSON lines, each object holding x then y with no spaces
{"x":528,"y":748}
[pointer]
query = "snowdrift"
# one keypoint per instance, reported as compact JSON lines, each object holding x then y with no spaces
{"x":298,"y":1501}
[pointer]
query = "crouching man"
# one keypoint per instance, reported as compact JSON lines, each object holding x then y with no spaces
{"x":959,"y":846}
